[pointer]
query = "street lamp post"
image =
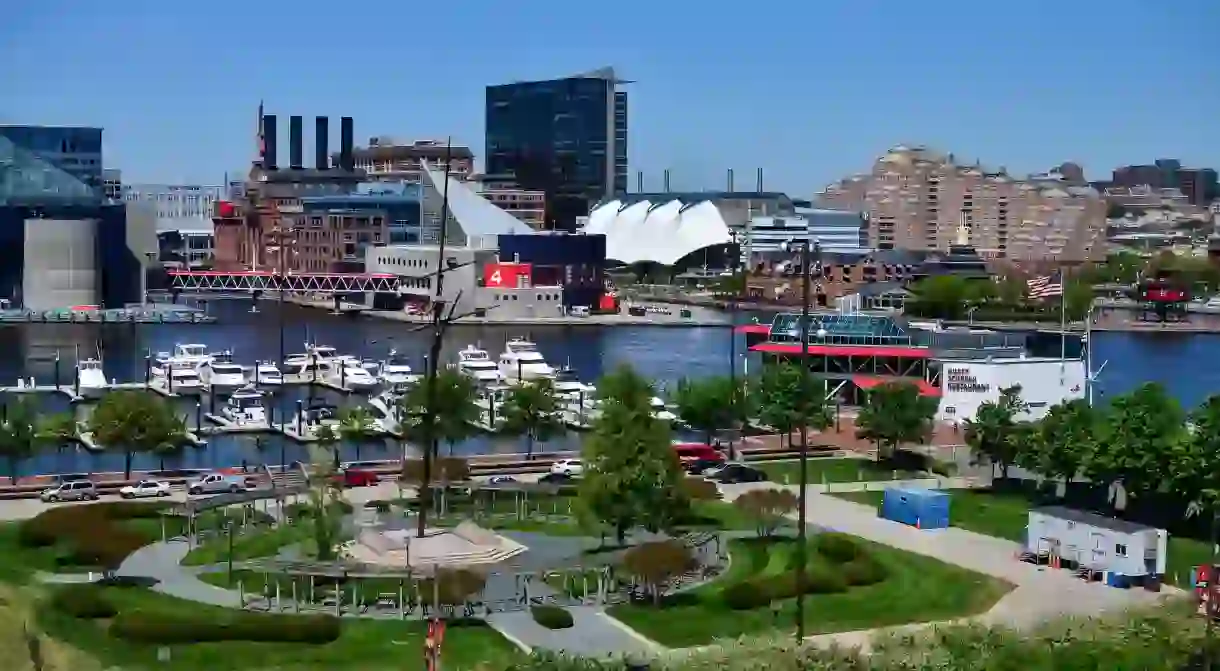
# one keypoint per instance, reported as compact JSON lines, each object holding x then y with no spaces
{"x":802,"y":551}
{"x":734,"y":408}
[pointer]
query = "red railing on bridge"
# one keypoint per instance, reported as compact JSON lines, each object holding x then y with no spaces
{"x":257,"y":280}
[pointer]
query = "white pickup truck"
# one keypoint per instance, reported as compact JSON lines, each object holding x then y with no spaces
{"x":217,"y":483}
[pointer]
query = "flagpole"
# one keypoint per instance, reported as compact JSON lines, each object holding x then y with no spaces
{"x":1062,"y":328}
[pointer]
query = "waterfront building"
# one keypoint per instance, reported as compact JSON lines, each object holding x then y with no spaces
{"x":852,"y":353}
{"x":493,"y":262}
{"x":185,"y":248}
{"x":176,"y":201}
{"x":527,"y":205}
{"x":667,"y":228}
{"x":836,"y":231}
{"x":914,"y":198}
{"x":112,"y":184}
{"x":72,"y":150}
{"x":62,"y":243}
{"x":565,"y":137}
{"x":1197,"y":186}
{"x":386,"y":159}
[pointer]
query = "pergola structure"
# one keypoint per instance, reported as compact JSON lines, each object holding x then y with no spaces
{"x":192,"y":507}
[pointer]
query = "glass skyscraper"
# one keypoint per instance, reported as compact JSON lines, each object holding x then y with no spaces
{"x":566,"y":137}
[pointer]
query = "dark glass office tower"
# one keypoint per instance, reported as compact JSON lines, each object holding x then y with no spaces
{"x":567,"y":137}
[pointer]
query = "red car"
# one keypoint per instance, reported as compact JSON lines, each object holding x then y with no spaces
{"x":355,"y":477}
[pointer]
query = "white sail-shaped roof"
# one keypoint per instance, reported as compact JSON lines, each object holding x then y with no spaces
{"x":661,"y":232}
{"x":476,"y":215}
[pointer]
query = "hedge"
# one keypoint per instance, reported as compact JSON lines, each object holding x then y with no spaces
{"x":551,"y":617}
{"x":864,"y":570}
{"x":83,"y":602}
{"x":837,"y":547}
{"x":160,"y":628}
{"x":87,"y":535}
{"x":761,"y":591}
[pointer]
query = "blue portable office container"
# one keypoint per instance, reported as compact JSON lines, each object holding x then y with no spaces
{"x":922,"y":508}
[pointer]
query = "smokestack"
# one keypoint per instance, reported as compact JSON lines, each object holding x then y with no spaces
{"x":665,"y":184}
{"x":321,"y":141}
{"x":269,"y":142}
{"x":758,"y":185}
{"x":296,"y":142}
{"x":730,"y":180}
{"x":347,"y":137}
{"x":639,"y":181}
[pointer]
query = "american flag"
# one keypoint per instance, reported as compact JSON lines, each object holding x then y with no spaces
{"x":1045,"y":286}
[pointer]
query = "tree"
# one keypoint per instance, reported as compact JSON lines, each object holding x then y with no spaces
{"x":57,"y":430}
{"x":18,"y":435}
{"x":532,"y":410}
{"x":710,"y":404}
{"x":895,"y":413}
{"x":174,"y":434}
{"x":940,"y":297}
{"x":782,"y":402}
{"x":327,"y":438}
{"x":131,"y":422}
{"x":1135,"y":442}
{"x":994,"y":433}
{"x":451,"y":420}
{"x":655,"y":564}
{"x":325,"y":508}
{"x":1194,"y":470}
{"x":1061,"y":442}
{"x":356,"y":424}
{"x":632,"y":475}
{"x":767,"y":508}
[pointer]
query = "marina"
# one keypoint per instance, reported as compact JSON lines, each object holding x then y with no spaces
{"x":1185,"y":364}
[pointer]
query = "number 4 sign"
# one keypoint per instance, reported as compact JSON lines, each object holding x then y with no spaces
{"x":496,"y":279}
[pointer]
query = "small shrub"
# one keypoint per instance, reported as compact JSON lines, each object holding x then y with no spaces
{"x":162,"y":629}
{"x":837,"y":547}
{"x":297,"y":511}
{"x":654,"y":564}
{"x":864,"y":570}
{"x":744,"y":595}
{"x":127,"y":581}
{"x":551,"y":617}
{"x":83,"y":602}
{"x":766,"y":508}
{"x":819,"y":579}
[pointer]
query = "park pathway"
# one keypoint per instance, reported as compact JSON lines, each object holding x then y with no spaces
{"x":1041,"y":593}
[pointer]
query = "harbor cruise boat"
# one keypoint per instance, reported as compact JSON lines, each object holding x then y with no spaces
{"x":521,"y":362}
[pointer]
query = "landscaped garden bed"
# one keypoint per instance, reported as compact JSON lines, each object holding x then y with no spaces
{"x":850,"y":584}
{"x":833,"y":470}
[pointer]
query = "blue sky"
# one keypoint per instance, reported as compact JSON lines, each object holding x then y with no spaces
{"x":809,"y":91}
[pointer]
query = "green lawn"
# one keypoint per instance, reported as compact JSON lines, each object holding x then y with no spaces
{"x":827,"y":470}
{"x":253,"y":544}
{"x":917,"y":589}
{"x":1006,"y":514}
{"x":364,"y":644}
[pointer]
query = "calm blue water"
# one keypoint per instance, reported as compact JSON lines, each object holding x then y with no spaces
{"x":1189,"y":365}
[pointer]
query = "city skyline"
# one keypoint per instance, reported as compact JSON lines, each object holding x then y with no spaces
{"x":1018,"y":89}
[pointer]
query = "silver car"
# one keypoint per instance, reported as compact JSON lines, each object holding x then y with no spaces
{"x":76,"y":490}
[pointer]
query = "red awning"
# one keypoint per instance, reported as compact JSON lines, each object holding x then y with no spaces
{"x":844,"y":350}
{"x":755,"y":329}
{"x":870,"y":381}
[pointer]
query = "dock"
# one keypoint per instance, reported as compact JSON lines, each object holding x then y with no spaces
{"x":69,"y":390}
{"x":225,"y":426}
{"x":85,"y":438}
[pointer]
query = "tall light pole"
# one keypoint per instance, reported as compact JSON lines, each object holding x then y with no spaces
{"x":802,"y":532}
{"x":734,"y":268}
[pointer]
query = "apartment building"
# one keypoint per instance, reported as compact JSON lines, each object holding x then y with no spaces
{"x":386,"y":159}
{"x":916,"y":198}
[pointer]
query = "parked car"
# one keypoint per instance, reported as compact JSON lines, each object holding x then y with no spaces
{"x":501,"y":480}
{"x":567,"y":467}
{"x":356,"y":477}
{"x":737,"y":473}
{"x":145,"y":488}
{"x":76,"y":490}
{"x":702,"y":466}
{"x":217,"y":483}
{"x":557,"y":479}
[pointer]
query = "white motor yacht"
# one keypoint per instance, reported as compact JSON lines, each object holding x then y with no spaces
{"x":521,"y":361}
{"x":221,"y":375}
{"x":396,"y":371}
{"x":267,"y":374}
{"x":313,"y":353}
{"x":566,"y":384}
{"x":660,"y":411}
{"x":184,"y":382}
{"x":192,"y":352}
{"x":91,"y":379}
{"x":352,"y":375}
{"x":476,"y":363}
{"x":245,"y":406}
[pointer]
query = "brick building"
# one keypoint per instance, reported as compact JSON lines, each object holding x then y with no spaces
{"x":916,"y":198}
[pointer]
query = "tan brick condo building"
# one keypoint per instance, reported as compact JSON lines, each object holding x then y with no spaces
{"x":916,"y":198}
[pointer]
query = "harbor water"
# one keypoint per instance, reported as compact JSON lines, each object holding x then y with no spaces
{"x":1187,"y":364}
